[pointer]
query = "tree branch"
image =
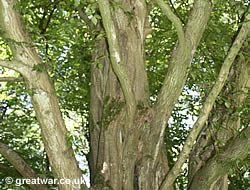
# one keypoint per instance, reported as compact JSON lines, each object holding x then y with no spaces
{"x":115,"y":56}
{"x":22,"y":167}
{"x":178,"y":68}
{"x":14,"y":29}
{"x":42,"y":27}
{"x":85,"y":18}
{"x":8,"y":171}
{"x":219,"y":164}
{"x":174,"y":19}
{"x":11,"y":79}
{"x":13,"y":64}
{"x":207,"y":106}
{"x":181,"y":59}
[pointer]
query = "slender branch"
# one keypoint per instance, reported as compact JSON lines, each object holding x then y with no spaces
{"x":42,"y":20}
{"x":115,"y":56}
{"x":219,"y":164}
{"x":176,"y":13}
{"x":22,"y":167}
{"x":85,"y":18}
{"x":174,"y":19}
{"x":44,"y":28}
{"x":182,"y":57}
{"x":4,"y":110}
{"x":207,"y":106}
{"x":11,"y":79}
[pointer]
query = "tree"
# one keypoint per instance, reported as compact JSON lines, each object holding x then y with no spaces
{"x":127,"y":130}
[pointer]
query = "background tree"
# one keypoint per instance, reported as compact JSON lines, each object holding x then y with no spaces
{"x":139,"y":57}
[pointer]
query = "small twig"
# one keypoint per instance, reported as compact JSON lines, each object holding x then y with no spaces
{"x":176,"y":13}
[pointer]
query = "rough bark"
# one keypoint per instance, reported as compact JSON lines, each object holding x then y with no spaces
{"x":22,"y":167}
{"x":127,"y":151}
{"x":108,"y":134}
{"x":44,"y":100}
{"x":126,"y":135}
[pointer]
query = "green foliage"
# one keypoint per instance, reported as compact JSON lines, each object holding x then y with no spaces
{"x":19,"y":128}
{"x":65,"y":45}
{"x":239,"y":175}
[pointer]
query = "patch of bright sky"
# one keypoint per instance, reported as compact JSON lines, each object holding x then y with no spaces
{"x":191,"y":118}
{"x":189,"y":122}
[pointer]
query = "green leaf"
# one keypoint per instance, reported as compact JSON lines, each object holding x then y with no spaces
{"x":76,"y":3}
{"x":100,"y":66}
{"x":227,"y":104}
{"x":94,"y":20}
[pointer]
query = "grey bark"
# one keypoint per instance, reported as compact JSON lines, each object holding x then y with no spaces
{"x":219,"y":164}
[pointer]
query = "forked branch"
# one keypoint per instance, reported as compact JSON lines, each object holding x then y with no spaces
{"x":181,"y":59}
{"x":207,"y":106}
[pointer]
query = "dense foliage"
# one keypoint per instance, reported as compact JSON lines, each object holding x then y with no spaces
{"x":65,"y":44}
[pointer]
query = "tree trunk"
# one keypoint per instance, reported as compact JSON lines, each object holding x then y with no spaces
{"x":127,"y":151}
{"x":126,"y":135}
{"x":115,"y":156}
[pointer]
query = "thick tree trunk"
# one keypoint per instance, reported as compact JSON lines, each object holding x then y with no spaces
{"x":223,"y":123}
{"x":114,"y":156}
{"x":127,"y":151}
{"x":126,"y":135}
